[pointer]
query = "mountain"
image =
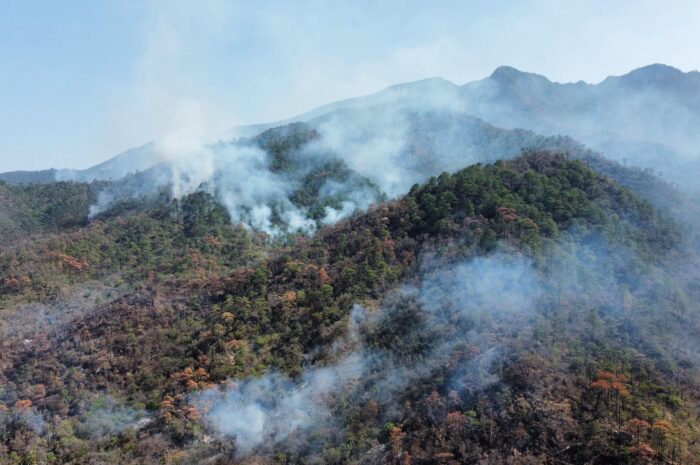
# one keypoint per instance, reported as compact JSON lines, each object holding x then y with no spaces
{"x":296,"y":177}
{"x":131,"y":161}
{"x":421,"y":276}
{"x":29,"y":177}
{"x":656,"y":105}
{"x":137,"y":159}
{"x":514,"y":312}
{"x":646,"y":117}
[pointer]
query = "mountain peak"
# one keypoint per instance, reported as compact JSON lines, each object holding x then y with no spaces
{"x":509,"y":74}
{"x":658,"y":69}
{"x":506,"y":72}
{"x":656,"y":74}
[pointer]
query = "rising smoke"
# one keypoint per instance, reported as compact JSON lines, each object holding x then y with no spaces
{"x":455,"y":324}
{"x":445,"y":309}
{"x":407,"y":133}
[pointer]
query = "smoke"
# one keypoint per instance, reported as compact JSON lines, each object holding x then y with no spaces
{"x":54,"y":316}
{"x":446,"y":309}
{"x":452,"y":325}
{"x":248,"y":188}
{"x":395,"y":139}
{"x":407,"y":133}
{"x":607,"y":291}
{"x":371,"y":145}
{"x":28,"y":417}
{"x":106,"y":416}
{"x":410,"y":132}
{"x":267,"y":410}
{"x":376,"y":137}
{"x":240,"y":177}
{"x":311,"y":187}
{"x":164,"y":97}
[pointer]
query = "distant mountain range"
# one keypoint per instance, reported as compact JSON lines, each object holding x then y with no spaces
{"x":647,"y":117}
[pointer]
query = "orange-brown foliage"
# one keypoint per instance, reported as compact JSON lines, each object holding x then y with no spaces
{"x":23,"y":404}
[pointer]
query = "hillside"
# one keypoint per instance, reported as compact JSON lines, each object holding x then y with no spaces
{"x":514,"y":312}
{"x":31,"y":209}
{"x":301,"y":176}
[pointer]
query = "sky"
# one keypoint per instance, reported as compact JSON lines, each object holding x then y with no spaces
{"x":82,"y":80}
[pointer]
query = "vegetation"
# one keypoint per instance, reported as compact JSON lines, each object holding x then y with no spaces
{"x":37,"y":208}
{"x":188,"y":301}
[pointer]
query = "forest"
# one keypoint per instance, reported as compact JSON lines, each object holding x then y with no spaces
{"x":513,"y":312}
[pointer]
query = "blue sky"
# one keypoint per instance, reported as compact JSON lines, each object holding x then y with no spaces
{"x":83,"y":80}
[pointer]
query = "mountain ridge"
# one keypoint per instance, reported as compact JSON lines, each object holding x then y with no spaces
{"x":506,"y":89}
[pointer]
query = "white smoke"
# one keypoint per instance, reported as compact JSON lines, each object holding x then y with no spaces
{"x":489,"y":292}
{"x":268,"y":410}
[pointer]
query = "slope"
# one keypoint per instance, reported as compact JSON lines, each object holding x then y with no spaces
{"x":558,"y":352}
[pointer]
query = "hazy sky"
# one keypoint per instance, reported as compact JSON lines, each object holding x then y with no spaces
{"x":83,"y":80}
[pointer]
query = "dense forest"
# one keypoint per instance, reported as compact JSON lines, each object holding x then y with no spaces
{"x":515,"y":312}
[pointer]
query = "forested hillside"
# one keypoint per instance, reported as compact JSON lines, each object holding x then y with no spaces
{"x":37,"y":208}
{"x":515,"y":312}
{"x":298,"y":178}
